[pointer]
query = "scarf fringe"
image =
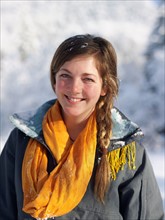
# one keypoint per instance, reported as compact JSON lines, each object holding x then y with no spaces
{"x":120,"y":157}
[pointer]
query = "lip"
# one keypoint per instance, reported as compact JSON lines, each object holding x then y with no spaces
{"x":74,"y":99}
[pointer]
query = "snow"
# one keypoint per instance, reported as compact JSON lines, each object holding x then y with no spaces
{"x":23,"y":127}
{"x":32,"y":30}
{"x":157,"y":159}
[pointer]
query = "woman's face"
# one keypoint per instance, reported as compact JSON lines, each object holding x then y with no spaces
{"x":78,"y":87}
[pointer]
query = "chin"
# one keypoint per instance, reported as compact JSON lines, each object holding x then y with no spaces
{"x":72,"y":114}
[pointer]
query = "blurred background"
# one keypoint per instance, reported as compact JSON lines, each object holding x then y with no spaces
{"x":32,"y":30}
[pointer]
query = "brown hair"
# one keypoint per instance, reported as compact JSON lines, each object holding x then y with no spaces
{"x":106,"y":62}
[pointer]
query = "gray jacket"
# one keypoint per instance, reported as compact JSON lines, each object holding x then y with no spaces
{"x":134,"y":195}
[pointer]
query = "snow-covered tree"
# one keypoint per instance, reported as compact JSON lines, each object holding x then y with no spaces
{"x":154,"y":84}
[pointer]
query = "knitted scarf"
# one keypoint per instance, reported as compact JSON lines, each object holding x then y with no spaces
{"x":55,"y":194}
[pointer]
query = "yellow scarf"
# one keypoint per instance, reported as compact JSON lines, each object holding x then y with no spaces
{"x":55,"y":194}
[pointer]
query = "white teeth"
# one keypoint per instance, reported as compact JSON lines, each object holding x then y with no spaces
{"x":74,"y":99}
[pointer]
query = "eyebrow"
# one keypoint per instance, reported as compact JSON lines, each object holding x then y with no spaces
{"x":86,"y":74}
{"x":63,"y":69}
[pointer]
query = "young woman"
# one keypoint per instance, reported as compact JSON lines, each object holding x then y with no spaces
{"x":78,"y":157}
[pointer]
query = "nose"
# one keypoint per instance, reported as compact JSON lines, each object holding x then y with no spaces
{"x":75,"y":86}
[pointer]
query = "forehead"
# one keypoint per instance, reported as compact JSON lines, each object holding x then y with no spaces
{"x":84,"y":61}
{"x":81,"y":65}
{"x":81,"y":58}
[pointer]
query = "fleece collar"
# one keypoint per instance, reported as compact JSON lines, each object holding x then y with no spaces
{"x":30,"y":123}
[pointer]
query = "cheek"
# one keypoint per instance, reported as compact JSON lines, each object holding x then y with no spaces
{"x":93,"y":92}
{"x":59,"y":86}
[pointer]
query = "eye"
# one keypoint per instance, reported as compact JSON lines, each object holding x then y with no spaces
{"x":64,"y":75}
{"x":88,"y":80}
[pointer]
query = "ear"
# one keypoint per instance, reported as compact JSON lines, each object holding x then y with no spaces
{"x":103,"y":91}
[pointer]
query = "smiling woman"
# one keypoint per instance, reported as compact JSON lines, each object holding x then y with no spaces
{"x":78,"y":157}
{"x":78,"y":86}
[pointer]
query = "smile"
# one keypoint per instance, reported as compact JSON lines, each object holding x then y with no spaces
{"x":72,"y":99}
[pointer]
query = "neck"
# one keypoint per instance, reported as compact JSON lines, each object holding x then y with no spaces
{"x":74,"y":127}
{"x":75,"y":124}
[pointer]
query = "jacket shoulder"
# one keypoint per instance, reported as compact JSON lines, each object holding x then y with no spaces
{"x":30,"y":122}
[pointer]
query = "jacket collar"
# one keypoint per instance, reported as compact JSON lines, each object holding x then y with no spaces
{"x":30,"y":123}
